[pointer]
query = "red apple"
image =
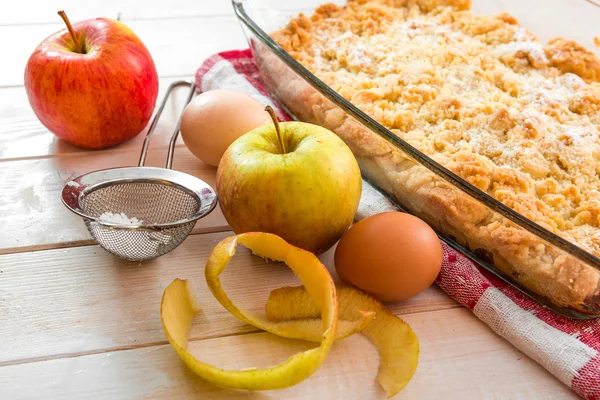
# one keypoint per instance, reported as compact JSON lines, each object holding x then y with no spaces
{"x":93,"y":84}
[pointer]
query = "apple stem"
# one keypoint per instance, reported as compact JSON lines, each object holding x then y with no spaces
{"x":64,"y":17}
{"x":271,"y":112}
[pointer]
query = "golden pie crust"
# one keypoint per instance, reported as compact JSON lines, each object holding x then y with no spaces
{"x":481,"y":96}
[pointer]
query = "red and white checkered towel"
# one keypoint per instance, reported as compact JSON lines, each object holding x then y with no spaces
{"x":569,"y":349}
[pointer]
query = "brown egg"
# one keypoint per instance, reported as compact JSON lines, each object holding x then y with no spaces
{"x":214,"y":119}
{"x":393,"y":256}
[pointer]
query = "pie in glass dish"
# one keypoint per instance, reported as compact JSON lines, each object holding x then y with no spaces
{"x":480,"y":95}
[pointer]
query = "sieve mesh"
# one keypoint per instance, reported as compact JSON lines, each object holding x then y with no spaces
{"x":154,"y":196}
{"x":150,"y":202}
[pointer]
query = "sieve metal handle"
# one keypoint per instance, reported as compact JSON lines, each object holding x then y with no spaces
{"x":159,"y":112}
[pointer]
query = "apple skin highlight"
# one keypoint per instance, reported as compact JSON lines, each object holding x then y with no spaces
{"x":307,"y":195}
{"x":96,"y":99}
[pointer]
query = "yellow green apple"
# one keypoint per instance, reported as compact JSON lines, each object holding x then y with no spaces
{"x":297,"y":180}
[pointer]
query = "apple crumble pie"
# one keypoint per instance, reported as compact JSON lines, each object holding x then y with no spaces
{"x":484,"y":98}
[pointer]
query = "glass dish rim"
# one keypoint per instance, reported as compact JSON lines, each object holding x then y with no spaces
{"x":424,"y":160}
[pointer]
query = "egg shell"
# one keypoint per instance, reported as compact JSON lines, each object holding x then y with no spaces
{"x":392,"y":255}
{"x":215,"y":119}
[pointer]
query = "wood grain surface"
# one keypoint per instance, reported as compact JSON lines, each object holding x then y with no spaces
{"x":178,"y":46}
{"x":451,"y":342}
{"x":30,"y":195}
{"x":24,"y":136}
{"x":78,"y":323}
{"x":106,"y":303}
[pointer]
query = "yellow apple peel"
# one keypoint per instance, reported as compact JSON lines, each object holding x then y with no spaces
{"x":179,"y":307}
{"x":394,"y":339}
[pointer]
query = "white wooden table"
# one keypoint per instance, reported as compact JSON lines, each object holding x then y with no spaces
{"x":76,"y":323}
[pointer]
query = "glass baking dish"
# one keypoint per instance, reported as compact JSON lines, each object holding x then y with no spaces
{"x":308,"y":99}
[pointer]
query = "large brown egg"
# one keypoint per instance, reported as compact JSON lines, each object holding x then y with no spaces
{"x":214,"y":119}
{"x":393,"y":256}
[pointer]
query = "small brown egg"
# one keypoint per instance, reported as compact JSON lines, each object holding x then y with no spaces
{"x":214,"y":119}
{"x":392,"y":255}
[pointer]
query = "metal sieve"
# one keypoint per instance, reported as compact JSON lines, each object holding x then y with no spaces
{"x":140,"y":213}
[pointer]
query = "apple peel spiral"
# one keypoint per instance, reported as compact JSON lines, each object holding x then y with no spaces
{"x":396,"y":342}
{"x":308,"y":312}
{"x":179,"y":307}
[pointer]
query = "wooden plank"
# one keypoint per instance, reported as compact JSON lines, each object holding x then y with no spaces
{"x":79,"y":300}
{"x":44,"y":12}
{"x":62,"y":305}
{"x":24,"y":136}
{"x":178,"y":46}
{"x":460,"y":359}
{"x":30,"y":190}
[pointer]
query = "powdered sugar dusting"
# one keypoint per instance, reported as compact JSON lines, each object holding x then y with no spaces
{"x":474,"y":100}
{"x":572,"y":81}
{"x":119,"y":218}
{"x":548,"y":91}
{"x":358,"y":56}
{"x":532,"y":50}
{"x":578,"y":135}
{"x":368,"y":50}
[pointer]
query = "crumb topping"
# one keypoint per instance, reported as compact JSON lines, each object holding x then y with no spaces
{"x":516,"y":118}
